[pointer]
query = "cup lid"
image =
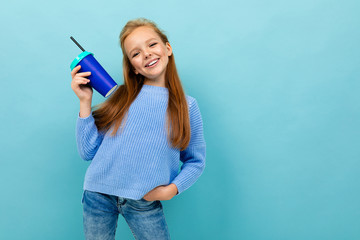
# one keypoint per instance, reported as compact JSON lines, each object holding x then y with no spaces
{"x":79,"y":58}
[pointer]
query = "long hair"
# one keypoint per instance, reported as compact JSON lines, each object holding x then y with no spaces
{"x":114,"y":110}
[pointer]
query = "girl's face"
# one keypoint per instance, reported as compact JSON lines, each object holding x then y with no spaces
{"x":143,"y":47}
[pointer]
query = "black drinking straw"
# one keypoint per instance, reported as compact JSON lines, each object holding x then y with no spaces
{"x":77,"y":44}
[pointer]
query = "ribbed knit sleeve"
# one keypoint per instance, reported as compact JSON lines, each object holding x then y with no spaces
{"x":193,"y":157}
{"x":88,"y":138}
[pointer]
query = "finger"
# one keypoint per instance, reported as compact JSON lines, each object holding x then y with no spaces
{"x":75,"y":70}
{"x":79,"y":77}
{"x":82,"y":81}
{"x":83,"y":74}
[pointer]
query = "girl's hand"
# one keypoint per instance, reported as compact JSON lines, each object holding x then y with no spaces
{"x":162,"y":193}
{"x":83,"y":92}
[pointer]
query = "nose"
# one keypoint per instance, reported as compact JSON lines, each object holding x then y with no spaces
{"x":147,"y":54}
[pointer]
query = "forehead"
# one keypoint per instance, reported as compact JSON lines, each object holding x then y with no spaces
{"x":138,"y":37}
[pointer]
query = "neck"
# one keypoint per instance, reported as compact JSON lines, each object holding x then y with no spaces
{"x":158,"y":82}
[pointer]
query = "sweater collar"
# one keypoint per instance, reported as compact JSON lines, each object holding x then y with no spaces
{"x":154,"y":89}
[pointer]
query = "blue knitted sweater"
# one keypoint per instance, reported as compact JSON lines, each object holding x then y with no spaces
{"x":140,"y":158}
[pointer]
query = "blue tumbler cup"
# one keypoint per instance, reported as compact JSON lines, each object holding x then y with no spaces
{"x":100,"y":80}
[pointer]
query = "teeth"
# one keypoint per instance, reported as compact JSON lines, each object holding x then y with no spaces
{"x":153,"y":62}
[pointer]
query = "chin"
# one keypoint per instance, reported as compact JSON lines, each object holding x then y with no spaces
{"x":152,"y":77}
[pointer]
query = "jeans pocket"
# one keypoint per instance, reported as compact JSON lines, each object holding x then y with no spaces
{"x":143,"y":199}
{"x":142,"y":204}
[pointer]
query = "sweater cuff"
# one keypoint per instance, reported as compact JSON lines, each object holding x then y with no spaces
{"x":83,"y":123}
{"x":84,"y":117}
{"x":178,"y":186}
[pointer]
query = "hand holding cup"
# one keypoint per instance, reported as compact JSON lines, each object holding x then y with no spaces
{"x":101,"y":81}
{"x":80,"y":84}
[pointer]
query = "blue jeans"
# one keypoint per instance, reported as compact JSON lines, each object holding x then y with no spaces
{"x":146,"y":219}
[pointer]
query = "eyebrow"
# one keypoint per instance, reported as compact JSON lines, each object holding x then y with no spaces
{"x":146,"y":42}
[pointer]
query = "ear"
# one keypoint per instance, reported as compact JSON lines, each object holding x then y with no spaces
{"x":136,"y":72}
{"x":169,"y":48}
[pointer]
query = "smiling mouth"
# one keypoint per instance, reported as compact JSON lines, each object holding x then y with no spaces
{"x":153,"y":63}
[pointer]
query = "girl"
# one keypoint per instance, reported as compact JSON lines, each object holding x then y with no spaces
{"x":135,"y":168}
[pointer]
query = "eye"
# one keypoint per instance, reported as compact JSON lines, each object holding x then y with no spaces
{"x":135,"y":54}
{"x":153,"y":44}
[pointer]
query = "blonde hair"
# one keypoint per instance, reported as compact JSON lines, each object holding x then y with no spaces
{"x":114,"y":109}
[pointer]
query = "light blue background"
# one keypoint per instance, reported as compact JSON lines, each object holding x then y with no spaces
{"x":277,"y":83}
